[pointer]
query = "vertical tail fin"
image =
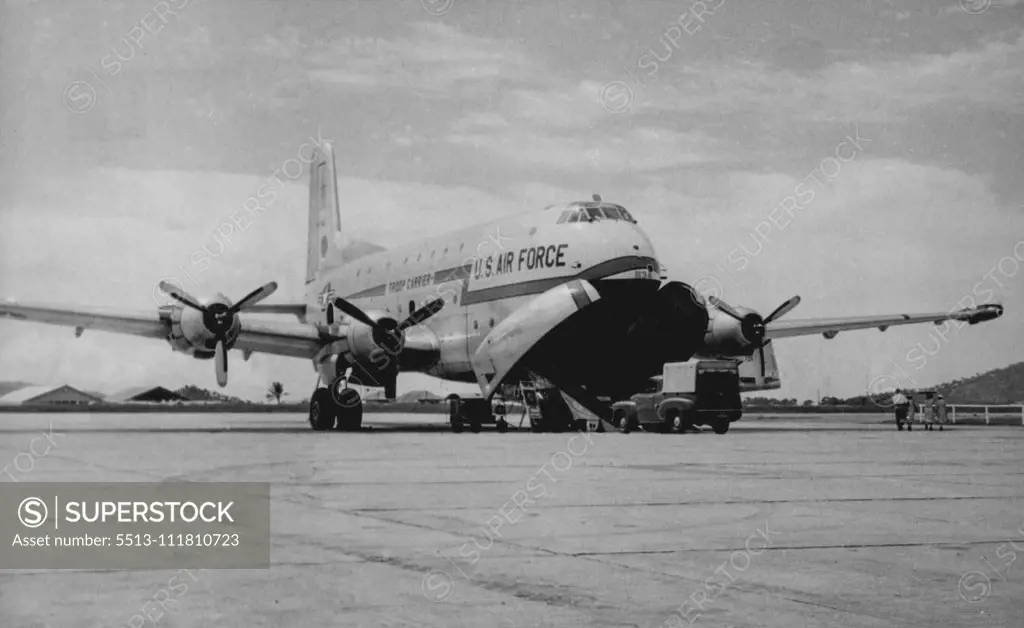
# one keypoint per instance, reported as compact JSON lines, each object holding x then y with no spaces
{"x":324,"y":213}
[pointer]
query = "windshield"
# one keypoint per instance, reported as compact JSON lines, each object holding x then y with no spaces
{"x":594,"y":212}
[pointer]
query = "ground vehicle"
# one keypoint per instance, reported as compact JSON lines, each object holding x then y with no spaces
{"x":687,"y":394}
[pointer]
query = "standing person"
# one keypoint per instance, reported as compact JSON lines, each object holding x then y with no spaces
{"x":901,"y":405}
{"x":940,"y":411}
{"x":928,"y":410}
{"x":911,"y":412}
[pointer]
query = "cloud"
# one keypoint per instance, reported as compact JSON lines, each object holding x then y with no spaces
{"x":987,"y":77}
{"x":106,"y":236}
{"x":437,"y":59}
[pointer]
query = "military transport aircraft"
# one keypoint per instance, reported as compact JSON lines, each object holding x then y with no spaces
{"x":572,"y":294}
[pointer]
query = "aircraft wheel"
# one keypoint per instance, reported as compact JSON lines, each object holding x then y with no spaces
{"x":502,"y":425}
{"x":720,"y":427}
{"x":457,"y":426}
{"x":322,"y":410}
{"x":474,"y":426}
{"x":350,"y":410}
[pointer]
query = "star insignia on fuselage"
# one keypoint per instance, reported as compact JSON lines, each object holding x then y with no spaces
{"x":325,"y":296}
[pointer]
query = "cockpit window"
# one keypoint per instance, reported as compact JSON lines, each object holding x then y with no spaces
{"x":592,"y":213}
{"x":612,"y":212}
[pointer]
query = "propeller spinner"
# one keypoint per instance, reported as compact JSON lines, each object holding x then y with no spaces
{"x":219,"y":318}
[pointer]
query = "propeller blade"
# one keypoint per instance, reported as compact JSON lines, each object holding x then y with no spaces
{"x":422,"y":314}
{"x":783,"y":309}
{"x":221,"y":358}
{"x":725,"y":307}
{"x":254,"y":297}
{"x":181,"y":296}
{"x":355,"y":313}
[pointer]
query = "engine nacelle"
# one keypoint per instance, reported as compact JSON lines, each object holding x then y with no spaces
{"x":192,"y":332}
{"x":728,"y":336}
{"x":375,"y":352}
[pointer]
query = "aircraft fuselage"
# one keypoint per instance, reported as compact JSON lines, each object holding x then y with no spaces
{"x":485,"y":272}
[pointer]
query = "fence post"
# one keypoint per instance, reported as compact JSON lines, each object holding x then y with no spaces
{"x":986,"y":415}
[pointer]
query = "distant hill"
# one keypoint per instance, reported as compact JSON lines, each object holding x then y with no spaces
{"x":1005,"y":385}
{"x":996,"y":387}
{"x":9,"y":387}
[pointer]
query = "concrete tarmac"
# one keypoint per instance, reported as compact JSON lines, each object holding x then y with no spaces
{"x":810,"y":521}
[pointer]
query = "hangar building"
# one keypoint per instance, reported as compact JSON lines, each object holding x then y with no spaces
{"x":146,"y":394}
{"x":52,"y":395}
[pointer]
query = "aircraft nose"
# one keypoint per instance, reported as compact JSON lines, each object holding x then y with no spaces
{"x":642,"y":247}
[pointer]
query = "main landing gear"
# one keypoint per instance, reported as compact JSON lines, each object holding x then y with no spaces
{"x":341,"y":410}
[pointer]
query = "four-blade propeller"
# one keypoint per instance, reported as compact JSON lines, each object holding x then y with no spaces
{"x":219,"y":319}
{"x":753,"y":325}
{"x":390,"y":334}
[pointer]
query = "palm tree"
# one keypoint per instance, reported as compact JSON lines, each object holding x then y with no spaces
{"x":276,"y":391}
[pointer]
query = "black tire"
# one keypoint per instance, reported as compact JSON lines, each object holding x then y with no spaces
{"x":720,"y":427}
{"x":474,"y":426}
{"x":674,"y":422}
{"x":322,"y":410}
{"x":457,"y":426}
{"x":349,"y":411}
{"x":624,"y":424}
{"x":502,"y":426}
{"x":350,"y":419}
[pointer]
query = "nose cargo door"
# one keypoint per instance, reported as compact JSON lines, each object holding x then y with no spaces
{"x":507,"y":343}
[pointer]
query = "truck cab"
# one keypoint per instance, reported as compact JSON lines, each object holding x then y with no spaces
{"x":687,"y":394}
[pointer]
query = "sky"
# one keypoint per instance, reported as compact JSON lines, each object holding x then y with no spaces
{"x":132,"y":132}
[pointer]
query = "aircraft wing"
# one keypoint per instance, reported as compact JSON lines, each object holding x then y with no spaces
{"x":829,"y":327}
{"x":277,"y":338}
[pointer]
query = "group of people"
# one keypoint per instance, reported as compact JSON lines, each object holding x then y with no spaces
{"x":906,"y":409}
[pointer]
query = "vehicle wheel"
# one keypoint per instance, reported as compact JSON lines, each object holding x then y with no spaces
{"x":674,"y":422}
{"x":720,"y":427}
{"x":457,"y":426}
{"x":910,"y":428}
{"x":322,"y":410}
{"x":474,"y":426}
{"x":600,"y":426}
{"x":502,"y":426}
{"x":623,"y":423}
